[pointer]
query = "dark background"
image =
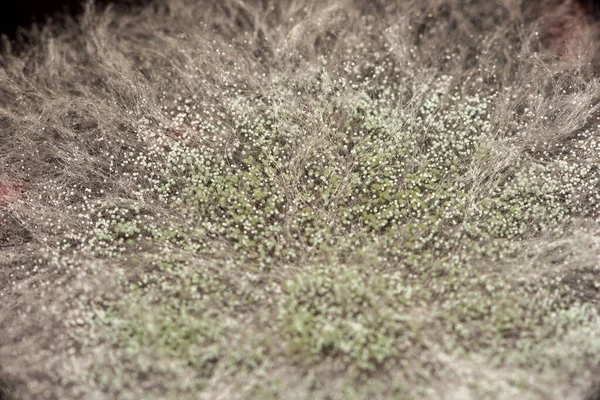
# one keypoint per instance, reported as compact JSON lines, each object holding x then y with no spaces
{"x":594,"y":7}
{"x":22,"y":13}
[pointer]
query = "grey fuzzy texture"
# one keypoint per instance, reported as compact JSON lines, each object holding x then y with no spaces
{"x":302,"y":200}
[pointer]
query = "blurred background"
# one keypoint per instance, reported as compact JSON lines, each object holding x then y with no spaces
{"x":23,"y":13}
{"x":560,"y":17}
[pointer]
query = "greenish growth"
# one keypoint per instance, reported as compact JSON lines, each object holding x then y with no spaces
{"x":341,"y":312}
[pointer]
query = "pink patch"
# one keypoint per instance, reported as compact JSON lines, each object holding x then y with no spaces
{"x":567,"y":28}
{"x":9,"y":193}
